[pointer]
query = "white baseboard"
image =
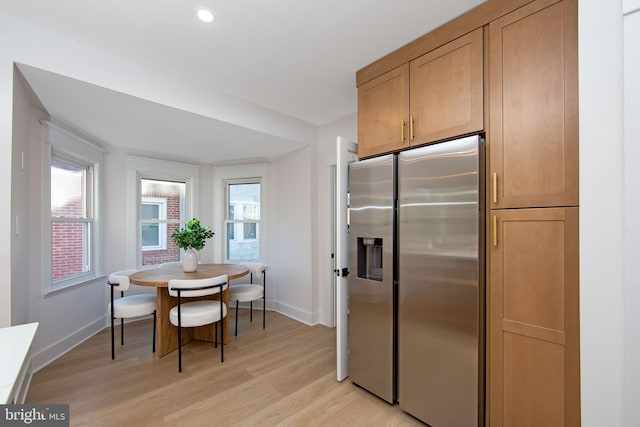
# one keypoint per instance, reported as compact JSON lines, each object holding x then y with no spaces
{"x":294,"y":313}
{"x":284,"y":309}
{"x":55,"y":350}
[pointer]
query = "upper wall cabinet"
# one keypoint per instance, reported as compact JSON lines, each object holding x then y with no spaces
{"x":444,"y":90}
{"x":383,"y":111}
{"x":446,"y":95}
{"x":533,"y":94}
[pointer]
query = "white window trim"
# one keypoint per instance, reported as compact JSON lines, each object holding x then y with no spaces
{"x":162,"y":222}
{"x":232,"y":175}
{"x":225,"y":173}
{"x":162,"y":170}
{"x":72,"y":145}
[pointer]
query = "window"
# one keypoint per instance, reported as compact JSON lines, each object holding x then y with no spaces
{"x":243,"y":220}
{"x":71,"y":220}
{"x":162,"y":210}
{"x":153,"y":210}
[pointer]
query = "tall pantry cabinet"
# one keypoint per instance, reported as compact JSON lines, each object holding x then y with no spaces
{"x":533,"y":295}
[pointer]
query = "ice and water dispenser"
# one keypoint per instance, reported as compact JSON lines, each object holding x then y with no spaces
{"x":370,"y":258}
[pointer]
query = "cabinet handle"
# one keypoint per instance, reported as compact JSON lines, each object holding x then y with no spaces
{"x":404,"y":125}
{"x":495,"y":230}
{"x":494,"y":187}
{"x":411,"y":127}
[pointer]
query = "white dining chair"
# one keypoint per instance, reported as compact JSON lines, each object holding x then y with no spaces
{"x":198,"y":313}
{"x":128,"y":306}
{"x":249,"y":292}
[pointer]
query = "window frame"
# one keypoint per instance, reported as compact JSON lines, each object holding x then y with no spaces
{"x":139,"y":168}
{"x":161,"y":202}
{"x":233,"y":222}
{"x":87,"y":220}
{"x":67,"y":144}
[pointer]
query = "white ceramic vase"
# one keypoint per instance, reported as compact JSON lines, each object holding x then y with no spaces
{"x":190,"y":261}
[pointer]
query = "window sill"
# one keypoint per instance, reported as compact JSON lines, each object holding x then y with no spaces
{"x":87,"y":280}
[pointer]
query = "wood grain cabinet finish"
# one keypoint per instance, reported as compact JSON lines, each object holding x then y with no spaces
{"x":446,"y":91}
{"x":534,"y":363}
{"x":437,"y":96}
{"x":533,"y":110}
{"x":383,"y":113}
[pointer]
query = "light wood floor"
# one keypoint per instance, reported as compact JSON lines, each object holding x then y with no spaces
{"x":284,"y":375}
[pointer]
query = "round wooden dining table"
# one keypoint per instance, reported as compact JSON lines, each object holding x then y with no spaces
{"x":166,"y":333}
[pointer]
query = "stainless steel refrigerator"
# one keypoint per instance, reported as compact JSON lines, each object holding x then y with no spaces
{"x":416,"y":288}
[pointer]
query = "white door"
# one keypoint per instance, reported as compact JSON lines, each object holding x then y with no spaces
{"x":346,"y":153}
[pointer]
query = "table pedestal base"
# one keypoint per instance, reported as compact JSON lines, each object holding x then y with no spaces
{"x":167,"y":333}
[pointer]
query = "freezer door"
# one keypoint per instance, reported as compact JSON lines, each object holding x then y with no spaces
{"x":371,"y":350}
{"x":438,"y":311}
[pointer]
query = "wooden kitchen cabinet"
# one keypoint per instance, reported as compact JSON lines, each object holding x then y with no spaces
{"x":383,"y":113}
{"x":533,"y":276}
{"x":437,"y":96}
{"x":534,"y":362}
{"x":533,"y":106}
{"x":446,"y":91}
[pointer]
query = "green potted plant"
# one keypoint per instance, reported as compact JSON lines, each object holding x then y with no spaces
{"x":191,"y":238}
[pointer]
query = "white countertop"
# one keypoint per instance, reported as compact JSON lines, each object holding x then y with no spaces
{"x":15,"y":343}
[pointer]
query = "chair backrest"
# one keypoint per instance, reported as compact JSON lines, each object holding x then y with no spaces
{"x":198,"y":287}
{"x":255,"y":268}
{"x":119,"y":280}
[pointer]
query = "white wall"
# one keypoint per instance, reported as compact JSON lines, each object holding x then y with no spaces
{"x":631,"y":372}
{"x":115,"y":212}
{"x":26,"y":134}
{"x":6,"y":167}
{"x":601,"y":211}
{"x":290,"y":240}
{"x":60,"y":328}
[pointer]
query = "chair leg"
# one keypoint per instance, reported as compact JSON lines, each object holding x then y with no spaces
{"x":113,"y":351}
{"x":221,"y":329}
{"x":179,"y":335}
{"x":264,"y":311}
{"x":154,"y":331}
{"x":251,"y":311}
{"x":222,"y":340}
{"x":236,"y":318}
{"x":122,"y":324}
{"x":179,"y":349}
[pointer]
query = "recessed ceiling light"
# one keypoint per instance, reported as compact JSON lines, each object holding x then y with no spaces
{"x":205,"y":15}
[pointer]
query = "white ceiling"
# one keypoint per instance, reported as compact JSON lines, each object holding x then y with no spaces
{"x":294,"y":57}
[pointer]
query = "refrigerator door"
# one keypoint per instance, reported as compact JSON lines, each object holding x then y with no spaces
{"x":439,"y":293}
{"x":371,"y":314}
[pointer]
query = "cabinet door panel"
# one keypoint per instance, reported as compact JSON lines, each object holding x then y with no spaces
{"x":533,"y":382}
{"x":534,"y":362}
{"x":537,"y":259}
{"x":446,"y":90}
{"x":383,"y":113}
{"x":533,"y":106}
